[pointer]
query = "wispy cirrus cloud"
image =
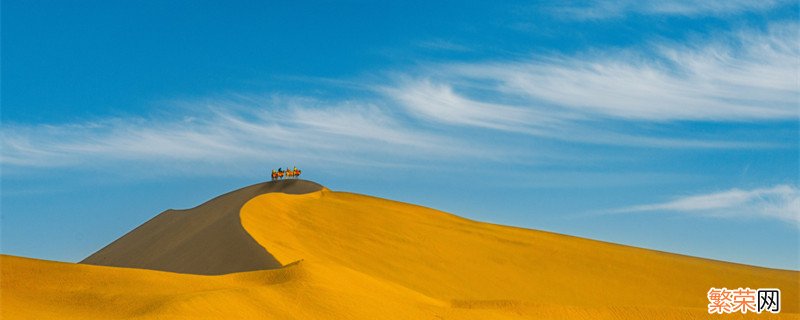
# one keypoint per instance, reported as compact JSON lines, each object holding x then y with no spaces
{"x":615,"y":9}
{"x":745,"y":76}
{"x":443,"y":45}
{"x":604,"y":97}
{"x":780,"y":202}
{"x":440,"y":103}
{"x":231,"y":131}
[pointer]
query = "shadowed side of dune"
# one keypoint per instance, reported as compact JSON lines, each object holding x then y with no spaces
{"x":208,"y":239}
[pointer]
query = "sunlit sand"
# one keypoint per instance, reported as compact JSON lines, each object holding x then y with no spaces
{"x":347,"y":256}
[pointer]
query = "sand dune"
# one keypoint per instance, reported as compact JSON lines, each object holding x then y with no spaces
{"x":349,"y":256}
{"x":469,"y":264}
{"x":208,"y":239}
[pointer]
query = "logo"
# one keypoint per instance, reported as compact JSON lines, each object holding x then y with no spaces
{"x":743,"y":300}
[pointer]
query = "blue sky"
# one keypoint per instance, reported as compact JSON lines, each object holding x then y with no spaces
{"x":667,"y":125}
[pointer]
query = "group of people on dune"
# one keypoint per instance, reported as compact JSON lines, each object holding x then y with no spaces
{"x":288,"y":173}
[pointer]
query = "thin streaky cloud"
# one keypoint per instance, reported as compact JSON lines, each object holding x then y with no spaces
{"x":781,"y":202}
{"x":596,"y":10}
{"x":439,"y":103}
{"x":746,"y":76}
{"x":336,"y":133}
{"x":443,"y":45}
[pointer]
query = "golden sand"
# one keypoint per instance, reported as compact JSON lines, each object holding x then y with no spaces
{"x":351,"y":256}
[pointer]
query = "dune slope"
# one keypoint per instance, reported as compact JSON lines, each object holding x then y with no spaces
{"x":349,"y":256}
{"x":208,"y":239}
{"x":470,"y":264}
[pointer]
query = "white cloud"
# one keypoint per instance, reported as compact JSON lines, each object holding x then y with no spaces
{"x":232,"y":131}
{"x":443,"y":45}
{"x":749,"y":76}
{"x":614,"y":9}
{"x":609,"y":98}
{"x":779,"y":202}
{"x":438,"y":102}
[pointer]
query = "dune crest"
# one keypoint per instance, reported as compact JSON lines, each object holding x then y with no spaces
{"x":208,"y":239}
{"x":475,"y":265}
{"x":350,"y":256}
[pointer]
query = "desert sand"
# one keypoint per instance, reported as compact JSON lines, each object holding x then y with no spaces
{"x":321,"y":254}
{"x":208,"y":239}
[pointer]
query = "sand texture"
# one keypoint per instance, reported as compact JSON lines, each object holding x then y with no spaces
{"x":208,"y":239}
{"x":338,"y":255}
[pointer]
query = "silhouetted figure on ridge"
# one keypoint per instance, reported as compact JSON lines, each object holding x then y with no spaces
{"x":279,"y":174}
